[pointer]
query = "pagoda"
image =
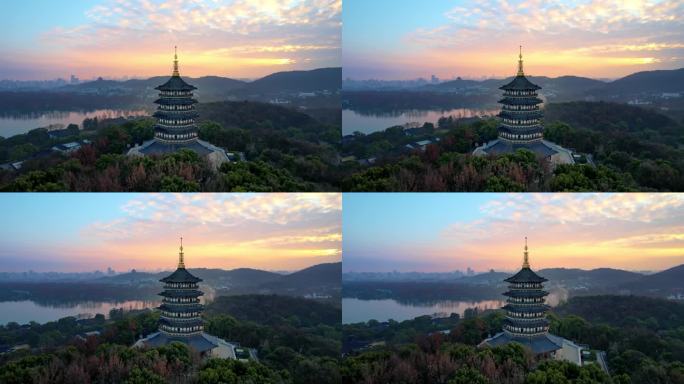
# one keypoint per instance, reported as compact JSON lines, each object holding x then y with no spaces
{"x":181,"y":311}
{"x":176,"y":126}
{"x":526,"y":322}
{"x":520,"y":122}
{"x":180,"y":318}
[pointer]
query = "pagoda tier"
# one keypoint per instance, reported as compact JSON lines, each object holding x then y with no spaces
{"x":181,"y":311}
{"x":176,"y":115}
{"x":526,"y":304}
{"x":520,"y":116}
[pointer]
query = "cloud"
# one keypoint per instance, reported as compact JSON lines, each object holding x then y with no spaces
{"x":238,"y":37}
{"x":596,"y":38}
{"x":590,"y":229}
{"x":221,"y":230}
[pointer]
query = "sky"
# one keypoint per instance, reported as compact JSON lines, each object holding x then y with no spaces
{"x":403,"y":39}
{"x":429,"y":232}
{"x":47,"y":39}
{"x":78,"y":232}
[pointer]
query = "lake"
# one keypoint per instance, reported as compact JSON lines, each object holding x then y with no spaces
{"x":16,"y":124}
{"x":26,"y":311}
{"x":356,"y":310}
{"x":368,"y":123}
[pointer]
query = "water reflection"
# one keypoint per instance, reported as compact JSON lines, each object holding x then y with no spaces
{"x":356,"y":310}
{"x":17,"y":123}
{"x":368,"y":122}
{"x":26,"y":311}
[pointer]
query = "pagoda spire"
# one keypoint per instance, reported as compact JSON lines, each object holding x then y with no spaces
{"x":175,"y":61}
{"x":181,"y":264}
{"x":526,"y":262}
{"x":520,"y":63}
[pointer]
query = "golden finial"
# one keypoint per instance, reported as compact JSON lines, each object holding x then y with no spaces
{"x":526,"y":262}
{"x":520,"y":66}
{"x":181,"y":264}
{"x":175,"y":61}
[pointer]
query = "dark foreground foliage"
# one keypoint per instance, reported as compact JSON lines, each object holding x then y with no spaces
{"x":290,"y":351}
{"x":641,"y":346}
{"x":633,"y":149}
{"x":284,"y":150}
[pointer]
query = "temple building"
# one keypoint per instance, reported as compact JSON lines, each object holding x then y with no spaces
{"x":181,"y":318}
{"x":176,"y":126}
{"x":526,"y":321}
{"x":520,"y":123}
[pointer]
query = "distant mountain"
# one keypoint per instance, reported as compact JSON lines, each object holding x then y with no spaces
{"x":321,"y":279}
{"x":320,"y":274}
{"x":557,"y":88}
{"x":594,"y":277}
{"x":298,"y":81}
{"x":647,"y":82}
{"x":487,"y":278}
{"x":669,"y":281}
{"x":214,"y":88}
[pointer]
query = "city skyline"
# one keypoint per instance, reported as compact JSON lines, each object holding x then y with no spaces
{"x":46,"y":40}
{"x":473,"y":39}
{"x":86,"y":232}
{"x":446,"y":232}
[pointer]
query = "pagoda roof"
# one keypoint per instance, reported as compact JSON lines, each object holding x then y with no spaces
{"x":176,"y":101}
{"x":176,"y":83}
{"x":181,"y":322}
{"x":538,"y":344}
{"x":170,"y":307}
{"x":499,"y":146}
{"x":521,"y":115}
{"x":201,"y":343}
{"x":528,"y":100}
{"x":525,"y":275}
{"x":520,"y":129}
{"x":527,"y":323}
{"x":189,"y":114}
{"x":520,"y":83}
{"x":181,"y":275}
{"x":526,"y":308}
{"x":181,"y":293}
{"x":190,"y":128}
{"x":525,"y":293}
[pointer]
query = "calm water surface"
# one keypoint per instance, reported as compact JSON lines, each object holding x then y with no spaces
{"x":26,"y":311}
{"x":356,"y":310}
{"x":353,"y":121}
{"x":22,"y":123}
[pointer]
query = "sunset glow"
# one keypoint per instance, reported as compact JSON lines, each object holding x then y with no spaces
{"x":443,"y":232}
{"x":135,"y":38}
{"x":265,"y":231}
{"x":474,"y":39}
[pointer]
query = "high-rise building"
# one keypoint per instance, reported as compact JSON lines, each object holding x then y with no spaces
{"x":176,"y":126}
{"x":520,"y":123}
{"x":526,"y":321}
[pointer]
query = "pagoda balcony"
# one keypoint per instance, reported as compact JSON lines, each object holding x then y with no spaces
{"x":521,"y":334}
{"x":176,"y":331}
{"x":186,"y":303}
{"x":525,"y":285}
{"x":526,"y":301}
{"x":179,"y":286}
{"x":526,"y":316}
{"x":168,"y":300}
{"x":191,"y":125}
